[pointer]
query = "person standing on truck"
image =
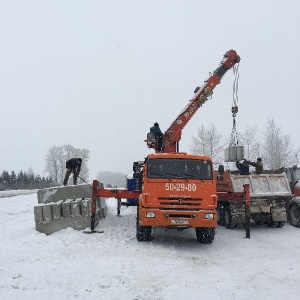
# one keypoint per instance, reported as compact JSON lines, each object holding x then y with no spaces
{"x":155,"y":130}
{"x":243,"y":167}
{"x":73,"y":165}
{"x":259,"y":169}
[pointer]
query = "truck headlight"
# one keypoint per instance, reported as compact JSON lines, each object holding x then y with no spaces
{"x":209,"y":216}
{"x":150,"y":214}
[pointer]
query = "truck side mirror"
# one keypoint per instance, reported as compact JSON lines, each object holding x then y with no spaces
{"x":136,"y":167}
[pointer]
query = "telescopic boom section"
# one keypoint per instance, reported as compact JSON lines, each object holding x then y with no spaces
{"x":172,"y":136}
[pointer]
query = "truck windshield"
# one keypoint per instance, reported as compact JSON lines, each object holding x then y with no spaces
{"x":180,"y":168}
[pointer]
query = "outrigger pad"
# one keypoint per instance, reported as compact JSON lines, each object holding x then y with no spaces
{"x":92,"y":231}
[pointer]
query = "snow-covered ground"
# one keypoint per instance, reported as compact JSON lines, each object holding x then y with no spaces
{"x":114,"y":265}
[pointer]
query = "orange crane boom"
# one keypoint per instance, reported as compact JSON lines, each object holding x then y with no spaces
{"x":172,"y":135}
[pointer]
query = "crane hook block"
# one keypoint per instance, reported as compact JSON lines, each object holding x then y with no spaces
{"x":234,"y":110}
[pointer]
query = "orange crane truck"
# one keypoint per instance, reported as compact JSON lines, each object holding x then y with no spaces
{"x":175,"y":189}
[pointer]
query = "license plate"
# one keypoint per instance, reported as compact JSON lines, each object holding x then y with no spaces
{"x":179,"y":222}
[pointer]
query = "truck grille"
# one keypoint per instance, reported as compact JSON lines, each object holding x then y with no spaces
{"x":179,"y":216}
{"x":180,"y":202}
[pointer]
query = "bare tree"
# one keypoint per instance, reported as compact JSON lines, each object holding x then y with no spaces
{"x":297,"y":157}
{"x":56,"y":161}
{"x":277,"y":149}
{"x":54,"y":165}
{"x":250,"y":140}
{"x":208,"y":142}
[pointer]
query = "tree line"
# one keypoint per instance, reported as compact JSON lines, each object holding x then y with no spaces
{"x":274,"y":147}
{"x":23,"y":181}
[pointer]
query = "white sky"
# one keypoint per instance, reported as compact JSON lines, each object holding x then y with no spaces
{"x":98,"y":74}
{"x":114,"y":265}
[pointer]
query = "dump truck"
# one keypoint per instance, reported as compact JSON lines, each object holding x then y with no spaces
{"x":269,"y":194}
{"x":293,"y":174}
{"x":175,"y":189}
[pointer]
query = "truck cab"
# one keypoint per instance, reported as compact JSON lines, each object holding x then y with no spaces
{"x":177,"y":191}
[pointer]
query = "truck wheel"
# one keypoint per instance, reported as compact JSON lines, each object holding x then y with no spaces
{"x":280,"y":224}
{"x":271,"y":223}
{"x":294,"y":213}
{"x":205,"y":235}
{"x":228,"y":218}
{"x":258,"y":222}
{"x":143,"y":233}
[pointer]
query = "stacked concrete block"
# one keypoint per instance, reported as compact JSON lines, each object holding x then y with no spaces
{"x":233,"y":154}
{"x":62,"y":207}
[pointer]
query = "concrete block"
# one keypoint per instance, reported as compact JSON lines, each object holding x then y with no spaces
{"x":66,"y":209}
{"x":86,"y":207}
{"x":38,"y":213}
{"x":75,"y":208}
{"x":70,"y":206}
{"x":56,"y":209}
{"x":55,"y":194}
{"x":76,"y":213}
{"x":47,"y":214}
{"x":233,"y":154}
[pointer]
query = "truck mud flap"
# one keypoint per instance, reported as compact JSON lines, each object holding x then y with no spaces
{"x":279,"y":214}
{"x":259,"y":206}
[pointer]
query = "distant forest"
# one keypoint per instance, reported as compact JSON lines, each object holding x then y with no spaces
{"x":23,"y":180}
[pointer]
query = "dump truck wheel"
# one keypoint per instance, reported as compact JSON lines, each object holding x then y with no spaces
{"x":272,"y":223}
{"x":280,"y":224}
{"x":228,"y":218}
{"x":205,"y":235}
{"x":259,"y":222}
{"x":294,"y":213}
{"x":143,"y":233}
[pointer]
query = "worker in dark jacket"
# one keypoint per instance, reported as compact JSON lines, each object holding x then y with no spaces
{"x":259,"y":169}
{"x":243,"y":167}
{"x":155,"y":130}
{"x":73,"y":165}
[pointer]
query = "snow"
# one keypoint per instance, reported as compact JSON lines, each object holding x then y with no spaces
{"x":114,"y":265}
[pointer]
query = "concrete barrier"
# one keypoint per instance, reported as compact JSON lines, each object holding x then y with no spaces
{"x":55,"y":194}
{"x":62,"y":207}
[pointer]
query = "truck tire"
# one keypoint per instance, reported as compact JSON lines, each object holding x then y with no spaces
{"x":280,"y":224}
{"x":275,"y":224}
{"x":272,"y":224}
{"x":205,"y":235}
{"x":228,"y":218}
{"x":143,"y":233}
{"x":294,"y":212}
{"x":259,"y":222}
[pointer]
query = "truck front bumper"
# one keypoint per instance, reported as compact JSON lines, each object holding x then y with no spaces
{"x":177,"y":218}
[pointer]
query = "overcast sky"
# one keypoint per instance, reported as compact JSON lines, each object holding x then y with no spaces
{"x":97,"y":74}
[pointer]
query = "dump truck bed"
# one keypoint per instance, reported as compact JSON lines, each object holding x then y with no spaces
{"x":263,"y":186}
